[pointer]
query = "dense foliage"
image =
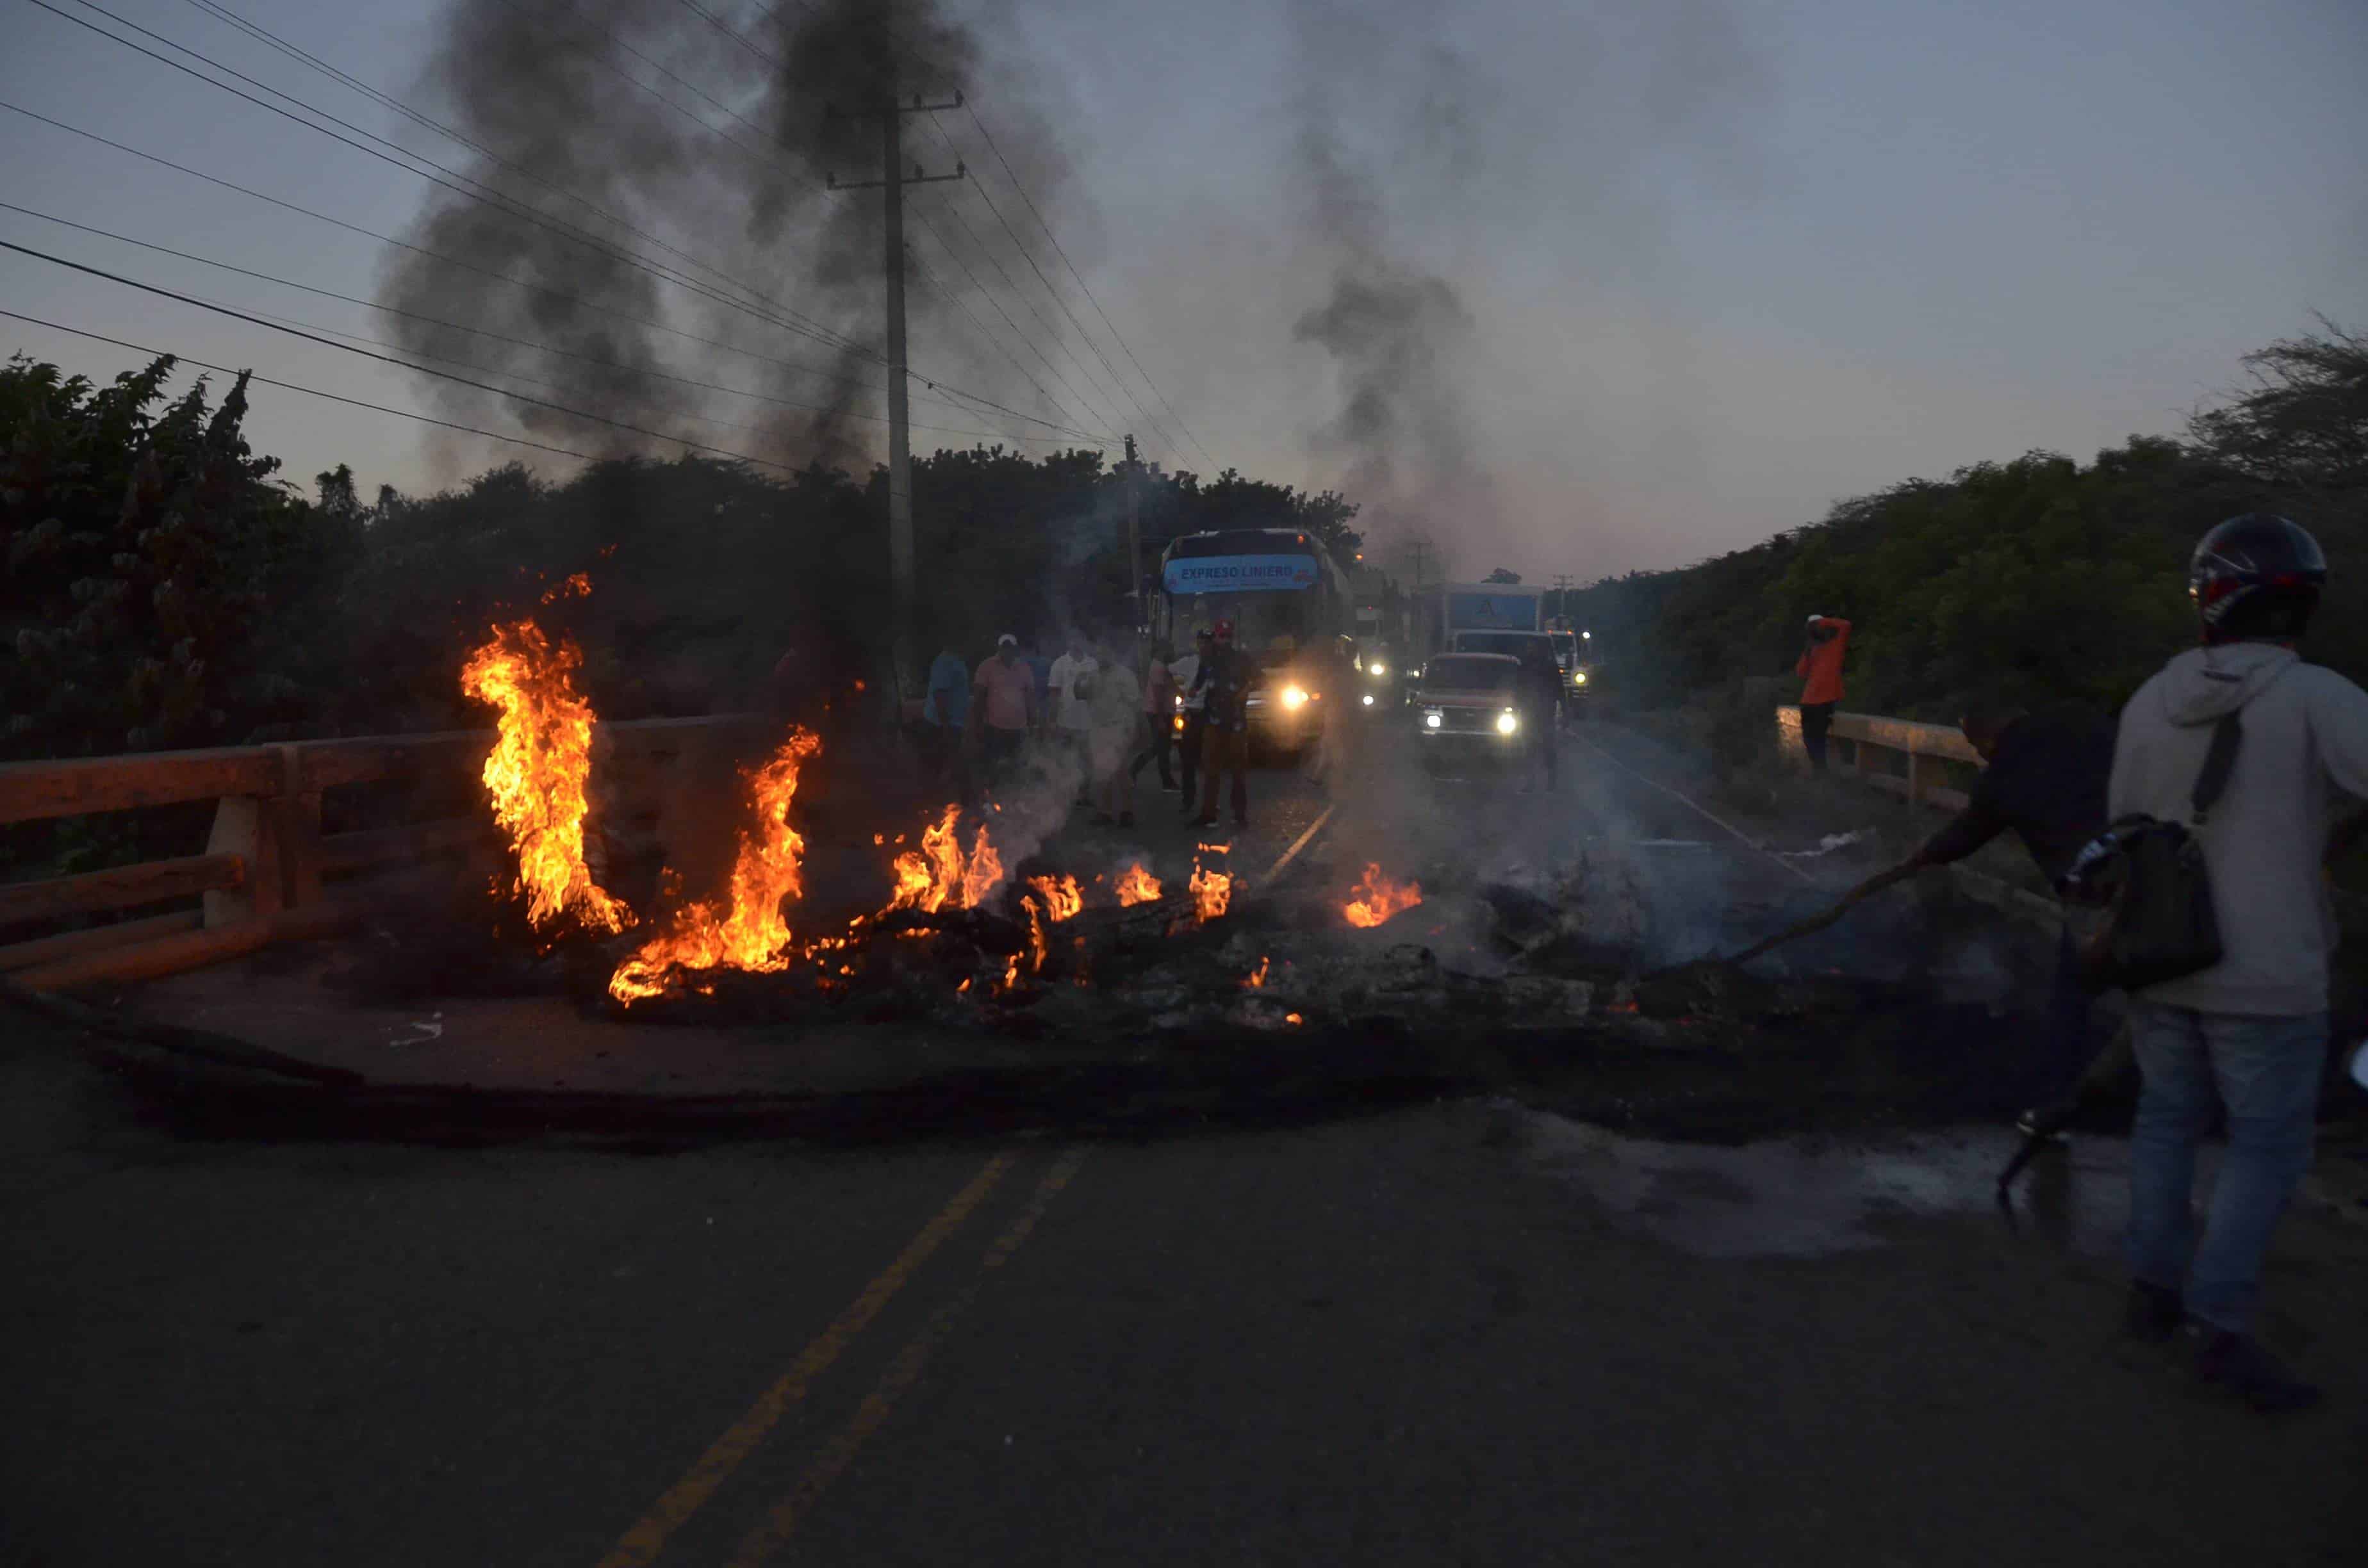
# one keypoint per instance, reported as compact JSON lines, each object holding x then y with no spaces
{"x":165,"y":590}
{"x":2040,"y":578}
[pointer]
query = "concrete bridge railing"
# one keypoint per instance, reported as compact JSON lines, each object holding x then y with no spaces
{"x":1921,"y":762}
{"x":266,"y":872}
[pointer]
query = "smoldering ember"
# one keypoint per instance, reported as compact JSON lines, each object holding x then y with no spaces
{"x":1053,"y":785}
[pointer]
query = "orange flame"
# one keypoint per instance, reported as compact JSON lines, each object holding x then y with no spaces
{"x":1212,"y":891}
{"x":1036,"y":945}
{"x":537,"y":769}
{"x":1377,"y":898}
{"x":938,"y":873}
{"x":577,"y":586}
{"x":1257,"y":976}
{"x":753,"y":935}
{"x":1063,"y":897}
{"x":1292,"y":1018}
{"x":1138,"y":886}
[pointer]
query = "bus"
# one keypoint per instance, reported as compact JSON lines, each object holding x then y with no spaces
{"x":1292,"y":613}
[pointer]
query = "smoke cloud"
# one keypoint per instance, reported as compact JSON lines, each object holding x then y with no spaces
{"x":646,"y":133}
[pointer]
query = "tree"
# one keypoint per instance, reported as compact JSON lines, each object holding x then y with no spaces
{"x":2304,"y":420}
{"x":1502,"y":576}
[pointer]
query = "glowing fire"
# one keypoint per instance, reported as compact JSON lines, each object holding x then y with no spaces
{"x":1211,"y":890}
{"x":938,"y":873}
{"x":1257,"y":976}
{"x":1036,"y":945}
{"x":1062,"y":895}
{"x":753,"y":935}
{"x":537,"y":770}
{"x":1138,"y":886}
{"x":1377,"y":898}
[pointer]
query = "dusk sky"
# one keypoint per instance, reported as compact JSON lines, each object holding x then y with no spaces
{"x":1712,"y":265}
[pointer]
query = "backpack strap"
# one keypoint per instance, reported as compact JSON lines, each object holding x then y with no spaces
{"x":2218,"y":763}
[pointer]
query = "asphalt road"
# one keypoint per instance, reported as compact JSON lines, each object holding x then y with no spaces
{"x":1418,"y":1338}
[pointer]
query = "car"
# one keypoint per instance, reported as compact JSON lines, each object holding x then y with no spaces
{"x":1525,"y":645}
{"x":1467,"y":708}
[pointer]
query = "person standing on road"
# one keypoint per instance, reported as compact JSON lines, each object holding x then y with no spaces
{"x":1116,"y":708}
{"x":2044,"y":778}
{"x":945,"y":713}
{"x":1158,"y":730}
{"x":1820,"y":669}
{"x":1224,"y":681}
{"x":1072,"y":716}
{"x":1540,"y":704}
{"x":1003,"y":710}
{"x":1191,"y":674}
{"x":2250,"y":1033}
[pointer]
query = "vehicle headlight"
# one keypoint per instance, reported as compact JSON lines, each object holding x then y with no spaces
{"x":1293,"y":697}
{"x":1369,"y":699}
{"x":1506,"y":722}
{"x":1377,"y":668}
{"x":1579,"y":677}
{"x":1432,"y":720}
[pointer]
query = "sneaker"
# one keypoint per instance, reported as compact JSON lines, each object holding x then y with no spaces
{"x":2152,"y":1313}
{"x":2238,"y":1364}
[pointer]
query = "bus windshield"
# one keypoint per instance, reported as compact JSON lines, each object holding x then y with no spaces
{"x":1278,"y":622}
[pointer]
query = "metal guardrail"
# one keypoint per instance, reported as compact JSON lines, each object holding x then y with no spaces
{"x":261,"y":876}
{"x":1910,"y":759}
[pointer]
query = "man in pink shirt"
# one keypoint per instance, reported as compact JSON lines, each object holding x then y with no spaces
{"x":1003,"y":705}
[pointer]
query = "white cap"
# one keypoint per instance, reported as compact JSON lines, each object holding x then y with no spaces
{"x":1006,"y":641}
{"x":1814,"y":618}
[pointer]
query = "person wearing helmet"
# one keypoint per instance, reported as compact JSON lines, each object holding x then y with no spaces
{"x":1820,"y":669}
{"x":1225,"y":683}
{"x":2250,"y":1033}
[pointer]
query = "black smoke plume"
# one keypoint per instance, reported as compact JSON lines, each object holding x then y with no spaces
{"x":712,"y":129}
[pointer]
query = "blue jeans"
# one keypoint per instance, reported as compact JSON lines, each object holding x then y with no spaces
{"x":2266,"y":1072}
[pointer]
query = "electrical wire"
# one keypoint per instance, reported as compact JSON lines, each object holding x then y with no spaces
{"x":496,"y":200}
{"x":388,"y":359}
{"x":289,"y":283}
{"x":313,"y":391}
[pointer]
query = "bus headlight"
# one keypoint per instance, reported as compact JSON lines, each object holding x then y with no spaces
{"x":1293,"y":697}
{"x":1507,"y":722}
{"x":1432,"y":720}
{"x":1377,"y":668}
{"x":1369,"y":699}
{"x":1579,"y":677}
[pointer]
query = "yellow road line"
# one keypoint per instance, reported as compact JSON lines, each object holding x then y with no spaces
{"x":642,"y":1544}
{"x":903,"y":1373}
{"x":1297,"y":845}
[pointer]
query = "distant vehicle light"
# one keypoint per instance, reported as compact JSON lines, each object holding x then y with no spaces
{"x":1579,"y":677}
{"x":1369,"y":699}
{"x":1180,"y":723}
{"x":1377,"y":668}
{"x":1432,"y":720}
{"x":1293,"y":697}
{"x":1506,"y":722}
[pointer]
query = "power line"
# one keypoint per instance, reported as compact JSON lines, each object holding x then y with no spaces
{"x":1082,"y":285}
{"x":1011,"y":174}
{"x":1112,"y":405}
{"x":570,"y":299}
{"x":817,"y":330}
{"x":499,"y":203}
{"x":923,"y":219}
{"x":313,"y":392}
{"x":266,"y":36}
{"x":388,"y":359}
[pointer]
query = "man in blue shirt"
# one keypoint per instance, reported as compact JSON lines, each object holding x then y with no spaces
{"x":944,"y":712}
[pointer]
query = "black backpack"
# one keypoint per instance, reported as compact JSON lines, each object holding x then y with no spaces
{"x":2152,"y":876}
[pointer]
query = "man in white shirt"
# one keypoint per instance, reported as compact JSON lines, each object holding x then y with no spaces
{"x":1073,"y":715}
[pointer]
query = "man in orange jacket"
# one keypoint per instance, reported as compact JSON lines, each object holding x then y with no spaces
{"x":1820,"y":669}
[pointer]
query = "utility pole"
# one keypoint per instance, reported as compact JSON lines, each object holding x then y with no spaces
{"x":1562,"y":596}
{"x":1135,"y":534}
{"x":900,"y":441}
